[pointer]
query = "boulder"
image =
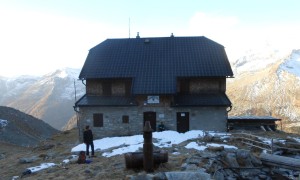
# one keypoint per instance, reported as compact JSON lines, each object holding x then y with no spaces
{"x":243,"y":158}
{"x":230,"y":158}
{"x":187,"y":175}
{"x":2,"y":156}
{"x":27,"y":159}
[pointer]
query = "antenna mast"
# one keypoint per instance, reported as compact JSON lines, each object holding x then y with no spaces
{"x":129,"y":27}
{"x":75,"y":91}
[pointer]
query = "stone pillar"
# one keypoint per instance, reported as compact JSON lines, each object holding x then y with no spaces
{"x":148,"y":148}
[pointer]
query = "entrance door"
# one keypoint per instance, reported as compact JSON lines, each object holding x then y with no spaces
{"x":150,"y":116}
{"x":183,"y":122}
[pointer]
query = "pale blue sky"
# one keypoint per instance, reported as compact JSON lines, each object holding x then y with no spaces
{"x":39,"y":36}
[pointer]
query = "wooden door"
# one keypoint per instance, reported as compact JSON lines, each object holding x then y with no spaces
{"x":150,"y":116}
{"x":183,"y":122}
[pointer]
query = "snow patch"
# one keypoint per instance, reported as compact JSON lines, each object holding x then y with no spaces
{"x":219,"y":145}
{"x":68,"y":72}
{"x":3,"y":123}
{"x":292,"y":64}
{"x":194,"y":145}
{"x":41,"y":167}
{"x":112,"y":146}
{"x":257,"y":59}
{"x":66,"y":161}
{"x":62,"y":74}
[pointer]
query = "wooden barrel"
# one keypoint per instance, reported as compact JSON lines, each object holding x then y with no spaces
{"x":135,"y":159}
{"x":160,"y":157}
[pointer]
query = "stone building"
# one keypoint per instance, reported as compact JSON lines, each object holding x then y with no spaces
{"x":180,"y":81}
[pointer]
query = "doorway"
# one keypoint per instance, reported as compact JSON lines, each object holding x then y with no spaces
{"x":183,"y":122}
{"x":150,"y":116}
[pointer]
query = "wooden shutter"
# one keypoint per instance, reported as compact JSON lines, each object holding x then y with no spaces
{"x":98,"y":120}
{"x":125,"y":119}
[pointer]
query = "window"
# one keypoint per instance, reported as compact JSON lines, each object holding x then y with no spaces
{"x":125,"y":119}
{"x":98,"y":120}
{"x":127,"y":88}
{"x":184,"y":86}
{"x":106,"y":85}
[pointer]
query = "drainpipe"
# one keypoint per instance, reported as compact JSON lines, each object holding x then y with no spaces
{"x":83,"y":82}
{"x":230,"y":108}
{"x":75,"y":109}
{"x":77,"y":119}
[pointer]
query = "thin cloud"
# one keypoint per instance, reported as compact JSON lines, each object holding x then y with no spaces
{"x":210,"y":24}
{"x":238,"y":36}
{"x":39,"y":42}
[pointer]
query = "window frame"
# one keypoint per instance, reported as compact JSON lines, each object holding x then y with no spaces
{"x":98,"y":120}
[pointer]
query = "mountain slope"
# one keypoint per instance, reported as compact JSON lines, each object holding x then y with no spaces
{"x":271,"y":90}
{"x":50,"y":97}
{"x":22,"y":129}
{"x":266,"y":83}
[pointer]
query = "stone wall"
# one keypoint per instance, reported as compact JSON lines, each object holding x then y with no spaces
{"x":201,"y":118}
{"x":206,"y":118}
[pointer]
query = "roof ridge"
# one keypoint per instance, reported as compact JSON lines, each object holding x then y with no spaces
{"x":158,"y":37}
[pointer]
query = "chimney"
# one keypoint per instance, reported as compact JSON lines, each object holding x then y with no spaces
{"x":138,"y":35}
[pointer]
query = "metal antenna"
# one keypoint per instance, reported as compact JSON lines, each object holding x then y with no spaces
{"x":75,"y":91}
{"x":129,"y":27}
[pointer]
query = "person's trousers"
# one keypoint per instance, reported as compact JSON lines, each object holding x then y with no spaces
{"x":88,"y":148}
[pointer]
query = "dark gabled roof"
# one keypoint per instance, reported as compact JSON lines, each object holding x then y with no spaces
{"x":211,"y":99}
{"x":105,"y":101}
{"x":154,"y":64}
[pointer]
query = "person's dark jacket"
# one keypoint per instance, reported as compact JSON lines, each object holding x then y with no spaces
{"x":88,"y":136}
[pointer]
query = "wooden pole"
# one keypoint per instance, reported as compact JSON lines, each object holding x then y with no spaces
{"x":148,"y":148}
{"x":272,"y":146}
{"x":280,"y":161}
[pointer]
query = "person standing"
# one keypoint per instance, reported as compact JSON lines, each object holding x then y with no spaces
{"x":88,"y":140}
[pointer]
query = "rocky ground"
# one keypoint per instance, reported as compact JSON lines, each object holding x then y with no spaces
{"x":214,"y":163}
{"x":22,"y":129}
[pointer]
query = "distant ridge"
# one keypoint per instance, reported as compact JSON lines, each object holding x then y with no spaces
{"x":22,"y":129}
{"x":50,"y":97}
{"x":271,"y":87}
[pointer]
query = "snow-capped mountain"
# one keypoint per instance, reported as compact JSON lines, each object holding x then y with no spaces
{"x":268,"y":84}
{"x":50,"y":97}
{"x":255,"y":60}
{"x":292,"y":63}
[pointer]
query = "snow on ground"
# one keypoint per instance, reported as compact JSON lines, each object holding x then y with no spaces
{"x":42,"y":166}
{"x":297,"y":139}
{"x":194,"y":145}
{"x":167,"y":138}
{"x":121,"y":145}
{"x":3,"y":123}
